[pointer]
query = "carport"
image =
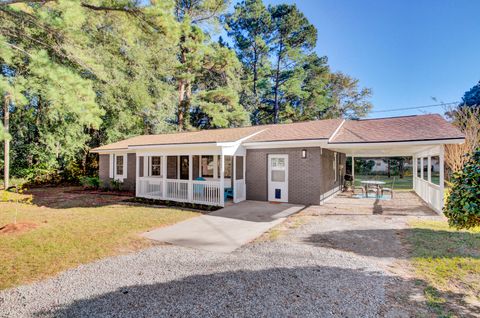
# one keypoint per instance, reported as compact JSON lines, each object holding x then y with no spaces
{"x":409,"y":136}
{"x":424,"y":154}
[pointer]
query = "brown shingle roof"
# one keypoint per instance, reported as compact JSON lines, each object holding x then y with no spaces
{"x":407,"y":128}
{"x":318,"y":129}
{"x":193,"y":137}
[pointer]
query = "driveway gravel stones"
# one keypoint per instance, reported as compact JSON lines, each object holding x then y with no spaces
{"x":304,"y":273}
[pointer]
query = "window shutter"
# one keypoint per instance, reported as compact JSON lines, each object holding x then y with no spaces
{"x":110,"y":165}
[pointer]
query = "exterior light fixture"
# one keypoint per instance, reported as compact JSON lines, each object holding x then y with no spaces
{"x":304,"y":153}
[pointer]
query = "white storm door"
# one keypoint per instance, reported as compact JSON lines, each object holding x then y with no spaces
{"x":278,"y":178}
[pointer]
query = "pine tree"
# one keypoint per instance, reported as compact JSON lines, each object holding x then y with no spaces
{"x":250,"y":27}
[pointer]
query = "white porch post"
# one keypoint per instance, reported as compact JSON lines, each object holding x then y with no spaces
{"x":421,"y":168}
{"x":190,"y":177}
{"x":429,"y":169}
{"x":442,"y":175}
{"x":164,"y":176}
{"x":137,"y":174}
{"x":414,"y":172}
{"x":244,"y":180}
{"x":234,"y":178}
{"x":222,"y":179}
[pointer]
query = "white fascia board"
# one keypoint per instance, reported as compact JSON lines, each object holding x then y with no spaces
{"x":286,"y":144}
{"x":112,"y":151}
{"x":171,"y":146}
{"x":336,"y":131}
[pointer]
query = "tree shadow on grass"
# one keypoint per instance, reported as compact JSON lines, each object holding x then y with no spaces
{"x":72,"y":197}
{"x":313,"y":291}
{"x":382,"y":242}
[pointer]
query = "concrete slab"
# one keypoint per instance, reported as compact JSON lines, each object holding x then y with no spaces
{"x":227,"y":229}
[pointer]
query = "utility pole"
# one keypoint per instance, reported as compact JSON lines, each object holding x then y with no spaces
{"x":6,"y":123}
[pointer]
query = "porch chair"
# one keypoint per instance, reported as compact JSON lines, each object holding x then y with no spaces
{"x":228,"y":193}
{"x":198,"y":188}
{"x":362,"y":188}
{"x":389,"y":189}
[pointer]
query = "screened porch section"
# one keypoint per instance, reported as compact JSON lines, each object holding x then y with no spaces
{"x":201,"y":179}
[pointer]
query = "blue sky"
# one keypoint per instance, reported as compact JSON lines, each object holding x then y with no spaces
{"x":406,"y":51}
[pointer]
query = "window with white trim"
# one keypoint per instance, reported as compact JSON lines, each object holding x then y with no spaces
{"x":156,"y":166}
{"x":119,"y":165}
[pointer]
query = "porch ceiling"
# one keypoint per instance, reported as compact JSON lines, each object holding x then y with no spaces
{"x":381,"y":150}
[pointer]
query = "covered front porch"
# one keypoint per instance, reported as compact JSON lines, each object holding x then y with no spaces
{"x":197,"y":175}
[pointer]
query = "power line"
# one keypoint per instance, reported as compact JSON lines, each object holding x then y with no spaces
{"x":414,"y":107}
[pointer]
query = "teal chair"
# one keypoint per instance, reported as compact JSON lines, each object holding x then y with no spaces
{"x":198,"y":188}
{"x":228,"y":193}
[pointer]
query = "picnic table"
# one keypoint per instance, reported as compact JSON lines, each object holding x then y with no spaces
{"x":376,"y":183}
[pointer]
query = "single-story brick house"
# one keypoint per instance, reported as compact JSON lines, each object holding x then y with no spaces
{"x":301,"y":163}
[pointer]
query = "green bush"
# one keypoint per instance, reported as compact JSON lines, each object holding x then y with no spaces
{"x":116,"y":185}
{"x":463,"y":204}
{"x":90,"y":182}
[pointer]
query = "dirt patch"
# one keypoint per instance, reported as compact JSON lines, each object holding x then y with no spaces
{"x":103,"y":192}
{"x":15,"y":228}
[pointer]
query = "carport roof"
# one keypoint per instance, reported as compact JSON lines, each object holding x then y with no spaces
{"x":396,"y":129}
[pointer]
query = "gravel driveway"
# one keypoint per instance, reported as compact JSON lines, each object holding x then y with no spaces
{"x":331,"y":266}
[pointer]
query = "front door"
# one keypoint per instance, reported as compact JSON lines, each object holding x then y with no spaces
{"x":278,"y":178}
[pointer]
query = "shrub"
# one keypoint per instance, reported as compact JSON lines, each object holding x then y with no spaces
{"x":116,"y":185}
{"x":90,"y":182}
{"x":463,"y":204}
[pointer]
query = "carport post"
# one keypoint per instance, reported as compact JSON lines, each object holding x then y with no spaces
{"x":353,"y":171}
{"x":442,"y":175}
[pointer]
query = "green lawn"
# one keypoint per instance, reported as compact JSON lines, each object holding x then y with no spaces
{"x":448,"y":261}
{"x":405,"y":183}
{"x":72,"y":229}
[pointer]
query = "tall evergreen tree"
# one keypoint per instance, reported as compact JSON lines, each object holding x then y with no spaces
{"x":250,"y":27}
{"x":293,"y":37}
{"x":348,"y":100}
{"x":207,"y":72}
{"x":471,"y":97}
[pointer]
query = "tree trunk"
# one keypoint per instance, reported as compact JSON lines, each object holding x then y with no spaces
{"x":6,"y":123}
{"x":181,"y":111}
{"x":388,"y":168}
{"x":181,"y":92}
{"x":277,"y":79}
{"x":255,"y":71}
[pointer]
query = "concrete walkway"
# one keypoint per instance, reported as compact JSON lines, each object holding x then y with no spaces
{"x":227,"y":229}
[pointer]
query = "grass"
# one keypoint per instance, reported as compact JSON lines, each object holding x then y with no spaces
{"x":73,"y":229}
{"x":447,"y":260}
{"x":405,"y":183}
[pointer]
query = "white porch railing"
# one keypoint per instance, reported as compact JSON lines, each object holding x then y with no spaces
{"x":239,"y":189}
{"x":150,"y":187}
{"x":429,"y":192}
{"x":177,"y":190}
{"x":206,"y":192}
{"x":201,"y":192}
